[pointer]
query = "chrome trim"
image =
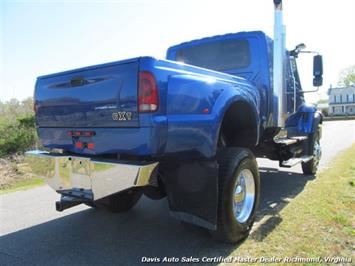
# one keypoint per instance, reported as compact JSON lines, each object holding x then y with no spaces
{"x":294,"y":88}
{"x":279,"y":51}
{"x":294,"y":161}
{"x":89,"y":178}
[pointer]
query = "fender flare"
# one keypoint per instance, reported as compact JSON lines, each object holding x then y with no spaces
{"x":317,"y":120}
{"x":235,"y":100}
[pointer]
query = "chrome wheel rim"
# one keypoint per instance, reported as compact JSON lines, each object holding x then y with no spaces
{"x":244,"y":196}
{"x":317,"y":153}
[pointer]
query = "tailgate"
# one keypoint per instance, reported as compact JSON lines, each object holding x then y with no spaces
{"x":96,"y":97}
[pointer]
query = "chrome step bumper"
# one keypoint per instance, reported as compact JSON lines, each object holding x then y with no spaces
{"x":88,"y":178}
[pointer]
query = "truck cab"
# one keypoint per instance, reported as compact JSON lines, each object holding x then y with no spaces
{"x":248,"y":55}
{"x":245,"y":54}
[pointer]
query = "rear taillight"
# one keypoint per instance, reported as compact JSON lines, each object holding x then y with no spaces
{"x":79,"y":145}
{"x":148,"y":100}
{"x":90,"y":146}
{"x":81,"y":133}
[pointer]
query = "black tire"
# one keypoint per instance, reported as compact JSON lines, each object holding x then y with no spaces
{"x":311,"y":167}
{"x":232,"y":161}
{"x":120,"y":202}
{"x":154,"y":193}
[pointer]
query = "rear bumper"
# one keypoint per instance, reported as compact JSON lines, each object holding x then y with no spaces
{"x":87,"y":178}
{"x":141,"y":141}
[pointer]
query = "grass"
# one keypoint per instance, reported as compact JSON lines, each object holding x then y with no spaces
{"x":319,"y":222}
{"x":18,"y":177}
{"x":22,"y":185}
{"x":15,"y":175}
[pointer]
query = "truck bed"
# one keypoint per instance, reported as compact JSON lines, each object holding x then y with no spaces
{"x":94,"y":110}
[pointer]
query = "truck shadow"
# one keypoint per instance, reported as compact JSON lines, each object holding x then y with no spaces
{"x":278,"y":188}
{"x":96,"y":237}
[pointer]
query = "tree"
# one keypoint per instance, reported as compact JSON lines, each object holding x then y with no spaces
{"x":13,"y":109}
{"x":17,"y":126}
{"x":347,"y":77}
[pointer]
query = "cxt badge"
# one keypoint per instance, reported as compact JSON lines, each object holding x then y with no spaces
{"x":122,"y":116}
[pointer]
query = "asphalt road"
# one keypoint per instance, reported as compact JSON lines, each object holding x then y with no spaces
{"x":33,"y":233}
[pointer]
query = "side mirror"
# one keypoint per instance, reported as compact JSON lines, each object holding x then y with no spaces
{"x":317,"y":71}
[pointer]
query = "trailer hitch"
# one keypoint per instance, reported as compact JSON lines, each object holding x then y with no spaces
{"x":67,"y":202}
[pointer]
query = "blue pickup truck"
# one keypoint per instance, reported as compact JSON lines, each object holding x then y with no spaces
{"x":188,"y":128}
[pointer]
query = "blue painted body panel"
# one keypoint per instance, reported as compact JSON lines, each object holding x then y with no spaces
{"x":303,"y":119}
{"x":192,"y":103}
{"x":106,"y":89}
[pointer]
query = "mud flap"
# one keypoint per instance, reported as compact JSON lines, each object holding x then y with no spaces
{"x":192,"y":189}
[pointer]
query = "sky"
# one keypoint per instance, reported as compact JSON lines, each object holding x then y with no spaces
{"x":42,"y":37}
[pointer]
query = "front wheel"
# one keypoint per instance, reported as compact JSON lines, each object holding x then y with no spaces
{"x":239,"y":192}
{"x":311,"y":167}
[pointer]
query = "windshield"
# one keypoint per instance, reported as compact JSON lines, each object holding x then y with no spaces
{"x":218,"y":55}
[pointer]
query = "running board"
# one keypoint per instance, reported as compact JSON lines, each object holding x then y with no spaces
{"x":285,"y":141}
{"x":290,"y":140}
{"x":294,"y":161}
{"x":299,"y":138}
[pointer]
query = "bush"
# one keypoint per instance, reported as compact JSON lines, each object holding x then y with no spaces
{"x":17,"y":136}
{"x":17,"y":127}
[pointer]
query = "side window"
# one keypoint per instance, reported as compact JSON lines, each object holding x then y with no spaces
{"x":293,"y":82}
{"x":219,"y":55}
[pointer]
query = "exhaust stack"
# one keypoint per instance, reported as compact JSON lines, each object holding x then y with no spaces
{"x":278,"y":64}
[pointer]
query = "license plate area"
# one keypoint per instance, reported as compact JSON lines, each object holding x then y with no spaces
{"x":72,"y":176}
